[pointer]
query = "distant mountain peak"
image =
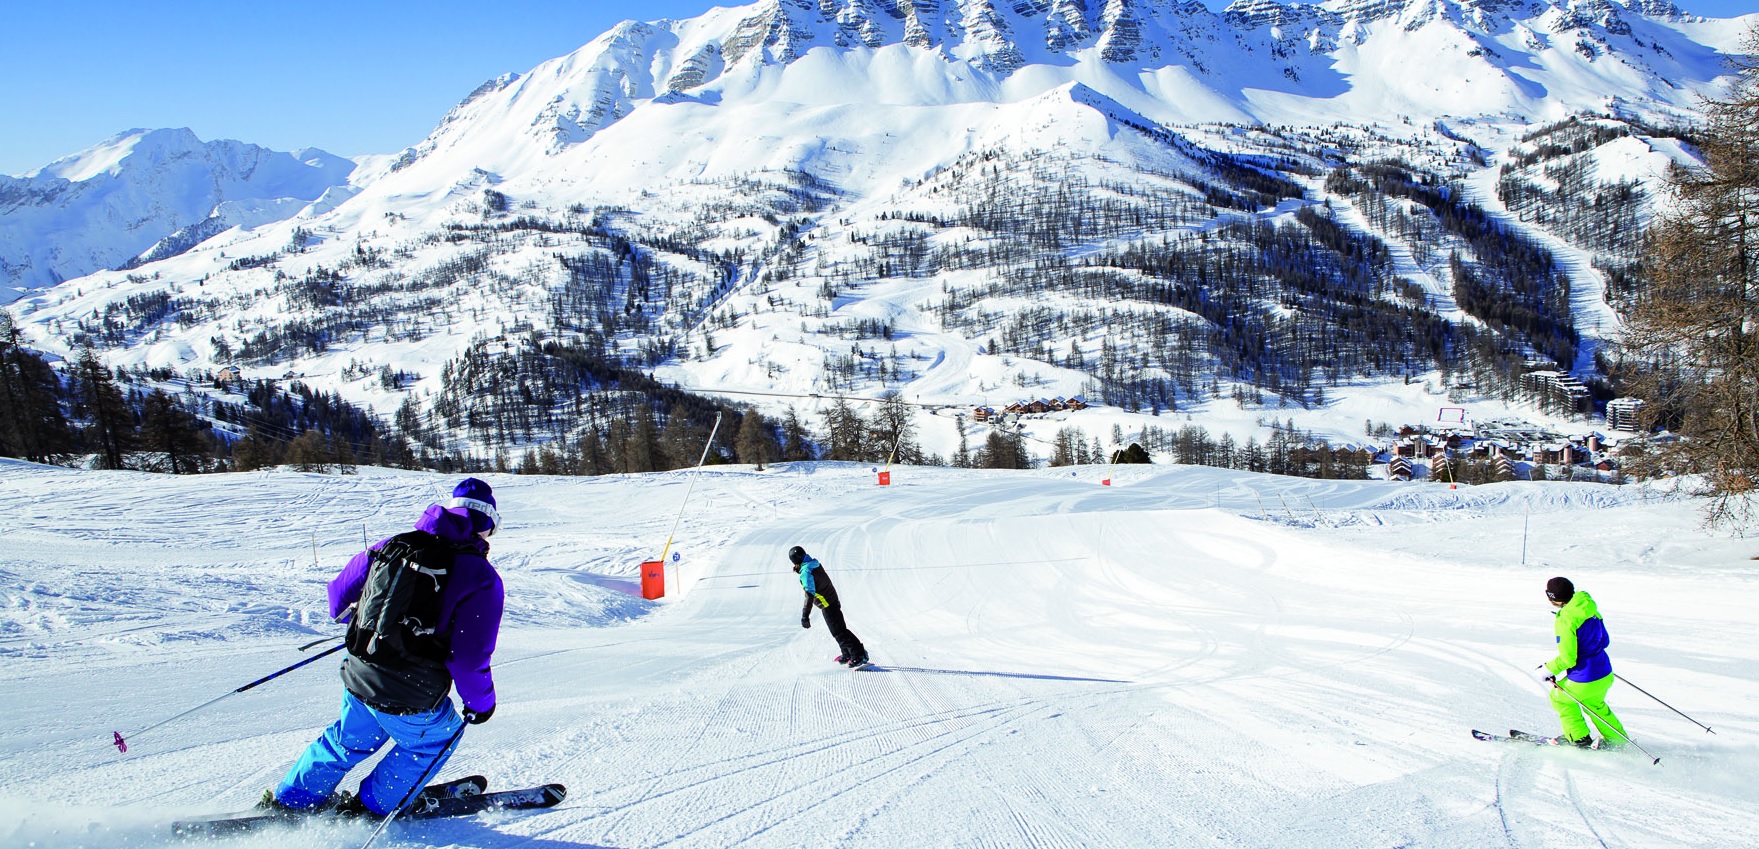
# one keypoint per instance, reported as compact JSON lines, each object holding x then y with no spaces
{"x":126,"y":196}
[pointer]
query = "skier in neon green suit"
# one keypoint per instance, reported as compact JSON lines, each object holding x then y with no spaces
{"x":1581,"y":673}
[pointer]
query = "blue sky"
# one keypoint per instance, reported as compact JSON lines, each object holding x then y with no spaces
{"x":350,"y":77}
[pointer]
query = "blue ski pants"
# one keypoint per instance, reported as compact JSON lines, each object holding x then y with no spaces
{"x":422,"y":747}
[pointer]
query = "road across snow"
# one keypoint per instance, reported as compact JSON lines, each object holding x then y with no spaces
{"x":1190,"y":657}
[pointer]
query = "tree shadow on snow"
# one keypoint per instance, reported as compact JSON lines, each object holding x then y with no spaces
{"x":1035,"y":677}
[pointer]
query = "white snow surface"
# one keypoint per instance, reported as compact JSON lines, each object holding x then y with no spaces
{"x":1187,"y":657}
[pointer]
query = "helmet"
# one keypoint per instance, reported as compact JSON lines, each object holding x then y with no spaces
{"x":1560,"y":590}
{"x":797,"y":555}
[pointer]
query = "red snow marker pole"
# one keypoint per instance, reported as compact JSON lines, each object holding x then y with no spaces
{"x":653,"y":579}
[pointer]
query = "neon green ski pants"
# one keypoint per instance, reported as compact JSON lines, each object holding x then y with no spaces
{"x":1591,"y":695}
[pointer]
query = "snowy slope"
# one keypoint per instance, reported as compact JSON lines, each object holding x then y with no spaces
{"x":1188,"y":657}
{"x":146,"y":192}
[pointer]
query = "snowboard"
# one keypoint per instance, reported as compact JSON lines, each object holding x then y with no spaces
{"x":462,"y":797}
{"x":865,"y":663}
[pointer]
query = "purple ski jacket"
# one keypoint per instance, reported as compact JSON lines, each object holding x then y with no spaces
{"x":470,"y":604}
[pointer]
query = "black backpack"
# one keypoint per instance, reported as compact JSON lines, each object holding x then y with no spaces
{"x":397,"y":617}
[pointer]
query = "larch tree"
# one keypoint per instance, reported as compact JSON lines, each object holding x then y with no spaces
{"x":1691,"y":342}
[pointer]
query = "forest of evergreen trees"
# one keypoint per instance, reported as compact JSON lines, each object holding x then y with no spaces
{"x":617,"y":421}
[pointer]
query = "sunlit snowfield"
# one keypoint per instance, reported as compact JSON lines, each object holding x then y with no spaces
{"x":1191,"y":657}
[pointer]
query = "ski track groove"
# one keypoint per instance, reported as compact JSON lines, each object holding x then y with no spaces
{"x":996,"y":718}
{"x":1576,"y":801}
{"x":942,"y":753}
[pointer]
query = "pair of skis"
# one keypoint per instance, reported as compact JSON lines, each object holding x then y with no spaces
{"x":459,"y":798}
{"x":1518,"y":736}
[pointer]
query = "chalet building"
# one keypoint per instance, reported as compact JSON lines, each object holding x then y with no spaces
{"x":1399,"y":469}
{"x":227,"y":376}
{"x":1502,"y":468}
{"x":1038,"y":407}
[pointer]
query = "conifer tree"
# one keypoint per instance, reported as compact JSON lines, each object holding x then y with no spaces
{"x":110,"y":424}
{"x":1004,"y":450}
{"x":593,"y":458}
{"x":255,"y":451}
{"x":682,"y":441}
{"x":796,"y":442}
{"x":845,"y":433}
{"x":308,"y":453}
{"x":31,"y":422}
{"x":169,"y":430}
{"x":755,"y":443}
{"x":893,"y":433}
{"x":1069,"y":446}
{"x":1693,"y":337}
{"x":638,"y":449}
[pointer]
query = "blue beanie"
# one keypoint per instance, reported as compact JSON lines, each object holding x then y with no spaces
{"x":478,"y":500}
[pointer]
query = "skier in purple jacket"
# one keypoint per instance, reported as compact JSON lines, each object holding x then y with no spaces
{"x":401,"y":696}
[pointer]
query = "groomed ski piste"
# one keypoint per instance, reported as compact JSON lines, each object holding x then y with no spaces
{"x":1188,"y":657}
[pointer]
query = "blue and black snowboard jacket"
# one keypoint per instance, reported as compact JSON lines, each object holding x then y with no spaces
{"x":817,"y":584}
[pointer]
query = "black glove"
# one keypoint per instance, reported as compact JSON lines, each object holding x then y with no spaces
{"x":478,"y":718}
{"x":806,"y":620}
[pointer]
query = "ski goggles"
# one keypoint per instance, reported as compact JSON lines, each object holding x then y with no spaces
{"x":482,"y":507}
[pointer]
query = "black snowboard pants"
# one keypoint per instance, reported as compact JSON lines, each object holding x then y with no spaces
{"x":846,"y":639}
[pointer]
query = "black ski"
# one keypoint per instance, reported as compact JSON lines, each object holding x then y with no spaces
{"x":545,"y":796}
{"x":463,"y":788}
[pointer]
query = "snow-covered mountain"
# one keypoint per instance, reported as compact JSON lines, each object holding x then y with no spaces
{"x":148,"y":194}
{"x":965,"y":201}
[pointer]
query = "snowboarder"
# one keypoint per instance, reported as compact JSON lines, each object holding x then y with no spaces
{"x":822,"y":594}
{"x":396,"y":681}
{"x":1581,"y":673}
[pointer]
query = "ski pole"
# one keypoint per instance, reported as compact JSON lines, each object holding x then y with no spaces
{"x":423,"y":782}
{"x":1596,"y":715}
{"x":1662,"y":703}
{"x":121,"y":743}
